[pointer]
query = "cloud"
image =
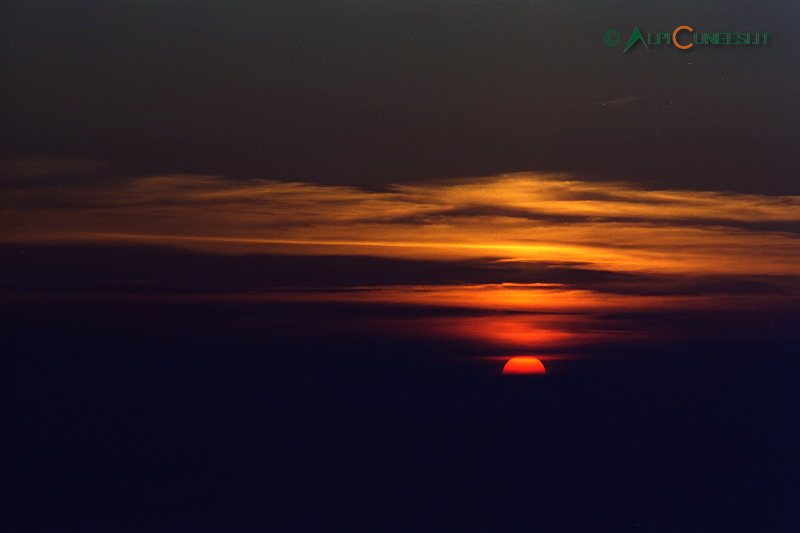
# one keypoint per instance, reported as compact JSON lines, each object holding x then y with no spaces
{"x":524,"y":260}
{"x":522,"y":218}
{"x":19,"y":170}
{"x":621,"y":100}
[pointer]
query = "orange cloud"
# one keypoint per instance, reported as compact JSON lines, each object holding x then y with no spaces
{"x":519,"y":223}
{"x":518,"y":217}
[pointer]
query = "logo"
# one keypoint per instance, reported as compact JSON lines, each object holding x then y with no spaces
{"x":611,"y":37}
{"x":684,"y":38}
{"x":636,"y":36}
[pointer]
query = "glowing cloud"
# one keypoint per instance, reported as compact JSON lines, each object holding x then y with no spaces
{"x":654,"y":248}
{"x":519,"y":217}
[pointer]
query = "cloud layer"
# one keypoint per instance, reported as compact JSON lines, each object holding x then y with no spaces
{"x":519,"y":217}
{"x":534,"y":261}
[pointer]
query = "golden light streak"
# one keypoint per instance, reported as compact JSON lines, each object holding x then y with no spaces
{"x":519,"y":217}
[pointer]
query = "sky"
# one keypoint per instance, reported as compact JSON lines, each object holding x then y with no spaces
{"x":524,"y":261}
{"x":262,"y":264}
{"x":493,"y":163}
{"x":373,"y":93}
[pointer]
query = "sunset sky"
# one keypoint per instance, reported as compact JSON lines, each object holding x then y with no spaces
{"x":320,"y":214}
{"x":557,"y":257}
{"x":434,"y":149}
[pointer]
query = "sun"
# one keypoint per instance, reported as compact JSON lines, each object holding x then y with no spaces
{"x":524,"y":364}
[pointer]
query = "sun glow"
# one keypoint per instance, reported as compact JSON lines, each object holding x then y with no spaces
{"x":524,"y":365}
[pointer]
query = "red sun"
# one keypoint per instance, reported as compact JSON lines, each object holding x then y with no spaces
{"x":524,"y":365}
